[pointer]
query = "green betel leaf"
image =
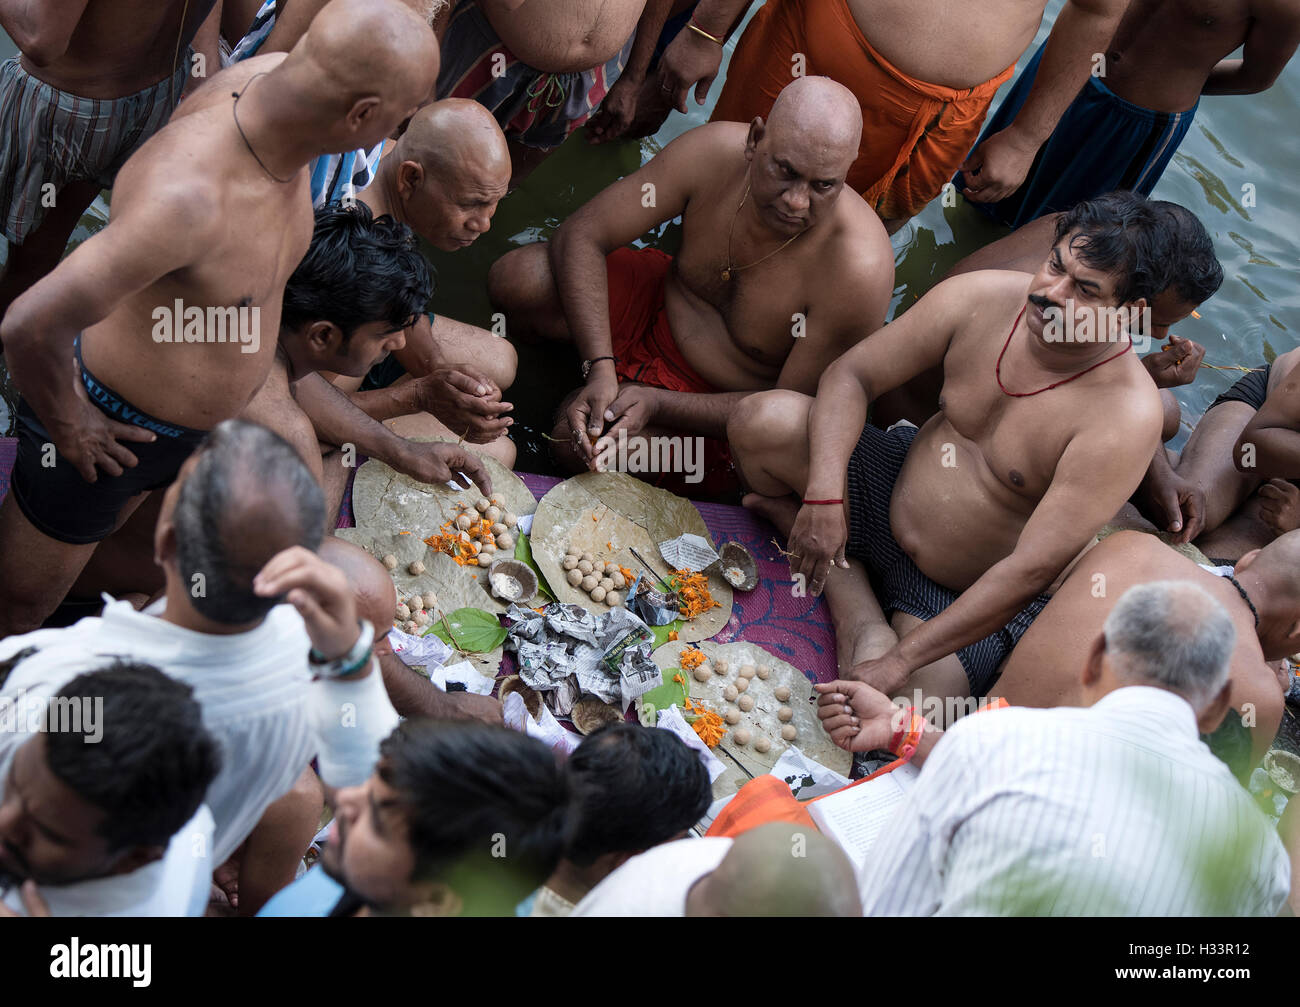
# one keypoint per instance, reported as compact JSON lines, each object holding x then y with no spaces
{"x":472,"y":630}
{"x":661,"y":632}
{"x":524,"y":553}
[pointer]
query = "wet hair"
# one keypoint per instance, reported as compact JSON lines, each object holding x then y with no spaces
{"x":634,"y":788}
{"x":1120,"y":233}
{"x":1195,"y":270}
{"x":359,"y":269}
{"x":152,"y":764}
{"x":237,"y":460}
{"x":466,"y":787}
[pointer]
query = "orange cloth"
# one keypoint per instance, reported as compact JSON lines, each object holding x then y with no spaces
{"x":761,"y":801}
{"x":914,"y":135}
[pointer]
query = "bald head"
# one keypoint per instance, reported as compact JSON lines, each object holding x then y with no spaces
{"x":448,"y":172}
{"x":457,"y":138}
{"x":820,"y":115}
{"x":373,"y":588}
{"x":373,"y":60}
{"x":779,"y":870}
{"x":1273,"y":574}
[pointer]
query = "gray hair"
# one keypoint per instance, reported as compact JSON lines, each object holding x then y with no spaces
{"x":244,"y":472}
{"x":1174,"y":635}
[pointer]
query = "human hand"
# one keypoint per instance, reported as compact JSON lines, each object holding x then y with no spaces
{"x":817,"y":542}
{"x":688,"y":61}
{"x":32,"y":902}
{"x":321,"y":594}
{"x":632,"y":410}
{"x":857,"y":717}
{"x":440,"y":462}
{"x":1174,"y":504}
{"x":88,"y":439}
{"x":998,"y":166}
{"x":463,"y":400}
{"x":587,"y":410}
{"x":1279,"y":506}
{"x":885,"y":673}
{"x":1175,"y":364}
{"x":616,"y":112}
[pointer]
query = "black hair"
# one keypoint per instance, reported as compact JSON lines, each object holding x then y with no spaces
{"x":153,"y":761}
{"x":1121,"y":234}
{"x":634,"y":787}
{"x":238,"y":458}
{"x":1196,"y":272}
{"x":466,"y":788}
{"x":359,"y":269}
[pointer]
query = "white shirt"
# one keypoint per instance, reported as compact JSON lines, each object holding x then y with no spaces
{"x":1116,"y":809}
{"x":176,"y":885}
{"x":253,"y":688}
{"x":655,"y":883}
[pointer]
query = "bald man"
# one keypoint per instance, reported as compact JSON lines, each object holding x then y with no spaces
{"x":444,"y":178}
{"x":209,"y":219}
{"x":781,"y":269}
{"x":1261,"y":595}
{"x":773,"y":870}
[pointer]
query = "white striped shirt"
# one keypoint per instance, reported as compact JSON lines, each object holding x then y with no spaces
{"x":1115,"y":809}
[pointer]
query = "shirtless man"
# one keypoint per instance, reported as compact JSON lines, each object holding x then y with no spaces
{"x":966,"y":522}
{"x":1231,"y":489}
{"x":544,"y":66}
{"x":781,"y":270}
{"x":924,"y":71}
{"x":1041,"y":671}
{"x":1124,"y":126}
{"x":56,"y":152}
{"x":212,"y":213}
{"x":443,"y":178}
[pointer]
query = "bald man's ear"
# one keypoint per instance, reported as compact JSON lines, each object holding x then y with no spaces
{"x":1092,"y":667}
{"x":757,"y":130}
{"x":1246,"y":560}
{"x":410,"y":177}
{"x":1209,"y":719}
{"x":164,"y":541}
{"x":361,"y":112}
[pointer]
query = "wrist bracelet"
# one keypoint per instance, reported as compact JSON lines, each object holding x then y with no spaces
{"x":588,"y":364}
{"x":351,"y":662}
{"x":821,"y":503}
{"x":700,"y":31}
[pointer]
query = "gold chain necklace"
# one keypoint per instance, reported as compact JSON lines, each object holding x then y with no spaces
{"x":732,"y":268}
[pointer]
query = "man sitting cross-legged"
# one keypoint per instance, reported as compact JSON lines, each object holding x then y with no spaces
{"x":780,"y":270}
{"x":963,"y":524}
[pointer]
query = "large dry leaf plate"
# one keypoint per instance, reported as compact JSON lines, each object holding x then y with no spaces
{"x":628,"y":514}
{"x":395,"y":513}
{"x":812,"y":739}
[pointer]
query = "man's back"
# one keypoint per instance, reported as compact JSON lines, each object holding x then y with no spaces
{"x":1116,"y":809}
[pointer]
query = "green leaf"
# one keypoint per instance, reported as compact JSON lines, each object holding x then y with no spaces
{"x":661,"y":632}
{"x":524,"y":553}
{"x":472,"y":630}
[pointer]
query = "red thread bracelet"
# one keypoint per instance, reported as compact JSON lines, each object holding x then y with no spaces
{"x":821,"y":502}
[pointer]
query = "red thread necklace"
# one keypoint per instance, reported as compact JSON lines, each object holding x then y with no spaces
{"x":997,"y":370}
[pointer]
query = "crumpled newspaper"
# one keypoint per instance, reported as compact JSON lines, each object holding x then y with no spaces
{"x":608,"y":655}
{"x":654,"y":607}
{"x":427,"y":652}
{"x":463,"y":674}
{"x":688,"y":552}
{"x":548,"y":730}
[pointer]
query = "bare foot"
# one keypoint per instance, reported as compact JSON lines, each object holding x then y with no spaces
{"x":780,"y":511}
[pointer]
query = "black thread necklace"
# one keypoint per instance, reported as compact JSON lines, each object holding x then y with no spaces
{"x":234,"y":111}
{"x":1244,"y":596}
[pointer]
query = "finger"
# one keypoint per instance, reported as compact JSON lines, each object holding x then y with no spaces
{"x":108,"y":465}
{"x":1269,"y":491}
{"x":838,"y":723}
{"x":283,"y":561}
{"x":129,"y":432}
{"x":36,"y":905}
{"x":845,"y":737}
{"x":470,"y":384}
{"x":86,"y":468}
{"x":477,"y":471}
{"x":702,"y":89}
{"x":121,"y":454}
{"x":312,"y":614}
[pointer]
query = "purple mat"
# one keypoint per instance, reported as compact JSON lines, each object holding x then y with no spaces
{"x":797,"y":630}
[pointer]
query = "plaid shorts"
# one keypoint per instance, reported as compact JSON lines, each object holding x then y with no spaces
{"x":899,"y":584}
{"x":50,"y":137}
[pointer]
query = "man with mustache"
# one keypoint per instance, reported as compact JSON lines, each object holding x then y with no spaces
{"x":964,"y":524}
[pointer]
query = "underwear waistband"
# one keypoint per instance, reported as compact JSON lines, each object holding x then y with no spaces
{"x":112,"y":404}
